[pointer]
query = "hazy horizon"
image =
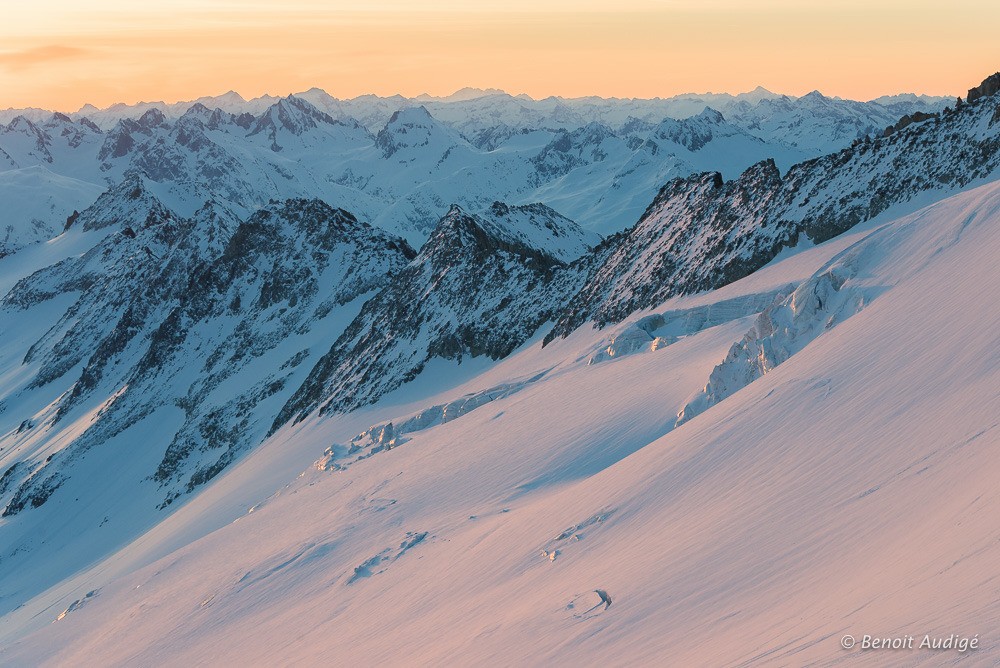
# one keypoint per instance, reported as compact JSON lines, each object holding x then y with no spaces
{"x":484,"y":90}
{"x":62,"y":55}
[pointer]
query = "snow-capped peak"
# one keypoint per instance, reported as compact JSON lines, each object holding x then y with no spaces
{"x":413,"y":128}
{"x":128,"y":204}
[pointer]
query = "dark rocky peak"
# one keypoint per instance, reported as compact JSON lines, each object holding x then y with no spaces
{"x":461,"y":237}
{"x":90,"y":125}
{"x":535,"y":233}
{"x":542,"y":228}
{"x":989,"y":86}
{"x":592,"y":133}
{"x":353,"y":124}
{"x":189,"y":129}
{"x":23,"y":125}
{"x":761,"y":176}
{"x":219,"y":118}
{"x":694,"y":185}
{"x":289,"y":115}
{"x":308,"y":224}
{"x":310,"y":215}
{"x":198,"y":111}
{"x":635,"y":126}
{"x":245,"y":120}
{"x":152,"y":119}
{"x":710,"y":186}
{"x":223,"y":304}
{"x":571,"y":149}
{"x":815,"y":97}
{"x":710,"y":115}
{"x":491,"y":138}
{"x":120,"y":140}
{"x":214,"y":224}
{"x":701,"y":233}
{"x":909,"y":119}
{"x":74,"y":133}
{"x":475,"y":289}
{"x":417,"y":115}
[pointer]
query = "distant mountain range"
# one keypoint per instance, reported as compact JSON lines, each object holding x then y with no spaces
{"x":400,"y":163}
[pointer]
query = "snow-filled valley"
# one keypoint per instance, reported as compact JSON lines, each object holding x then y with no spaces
{"x":446,"y":414}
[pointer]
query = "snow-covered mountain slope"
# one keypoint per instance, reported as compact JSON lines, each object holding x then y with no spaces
{"x":210,"y":352}
{"x":847,"y":487}
{"x":702,"y":232}
{"x":35,"y":201}
{"x":65,"y":146}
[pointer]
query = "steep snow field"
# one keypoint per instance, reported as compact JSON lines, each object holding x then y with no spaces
{"x":839,"y":476}
{"x":35,"y":200}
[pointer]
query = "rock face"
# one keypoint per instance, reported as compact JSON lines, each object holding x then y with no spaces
{"x":207,"y":315}
{"x":990,"y":86}
{"x":481,"y":285}
{"x":702,"y":232}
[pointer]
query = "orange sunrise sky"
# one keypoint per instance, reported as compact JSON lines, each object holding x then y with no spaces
{"x":58,"y":54}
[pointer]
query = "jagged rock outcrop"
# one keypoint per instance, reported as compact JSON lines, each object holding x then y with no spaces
{"x":569,"y":150}
{"x":207,"y":314}
{"x":990,"y":86}
{"x":481,"y":286}
{"x":702,"y":232}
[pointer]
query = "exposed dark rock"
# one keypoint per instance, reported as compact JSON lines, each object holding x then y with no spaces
{"x":700,"y":233}
{"x":476,"y":288}
{"x":990,"y":86}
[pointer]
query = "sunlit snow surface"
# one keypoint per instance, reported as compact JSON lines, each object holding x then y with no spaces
{"x":849,"y":488}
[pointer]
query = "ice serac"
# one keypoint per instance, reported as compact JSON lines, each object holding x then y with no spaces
{"x":481,"y":286}
{"x":702,"y":232}
{"x":780,"y":331}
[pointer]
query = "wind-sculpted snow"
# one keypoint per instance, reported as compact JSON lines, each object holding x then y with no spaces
{"x":37,"y":204}
{"x":702,"y":232}
{"x":850,"y":488}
